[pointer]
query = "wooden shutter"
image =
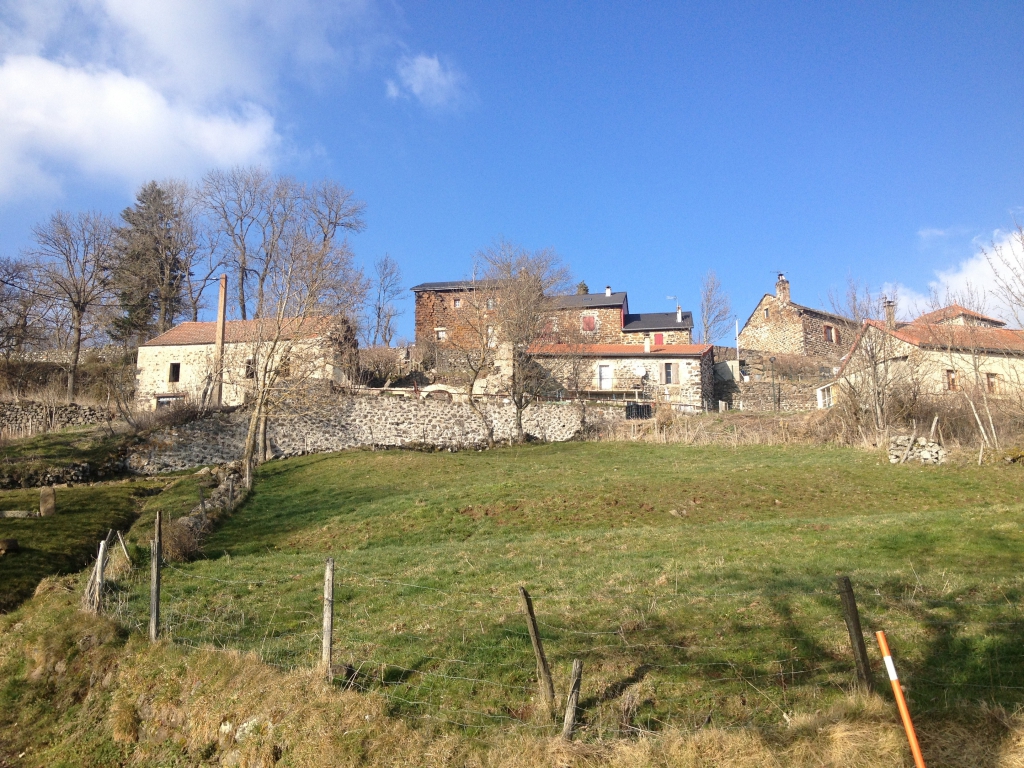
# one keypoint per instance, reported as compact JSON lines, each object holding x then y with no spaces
{"x":675,"y":374}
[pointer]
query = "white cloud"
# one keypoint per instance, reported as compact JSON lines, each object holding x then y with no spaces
{"x":427,"y":79}
{"x":103,"y":122}
{"x":130,"y":90}
{"x":974,"y":274}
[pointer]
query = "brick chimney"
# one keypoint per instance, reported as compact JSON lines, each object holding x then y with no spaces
{"x":782,"y":288}
{"x":647,"y":343}
{"x":890,"y":313}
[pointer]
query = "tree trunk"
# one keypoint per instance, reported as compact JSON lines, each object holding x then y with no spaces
{"x":488,"y":426}
{"x":76,"y":351}
{"x":520,"y":436}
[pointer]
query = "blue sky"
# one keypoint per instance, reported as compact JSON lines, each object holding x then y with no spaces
{"x":645,"y":142}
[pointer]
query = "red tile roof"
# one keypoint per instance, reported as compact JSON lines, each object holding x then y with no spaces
{"x":622,"y":350}
{"x":959,"y":337}
{"x":241,"y":331}
{"x":953,"y":311}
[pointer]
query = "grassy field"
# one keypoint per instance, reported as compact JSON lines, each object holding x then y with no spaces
{"x":696,"y":585}
{"x":726,"y":607}
{"x":65,"y":542}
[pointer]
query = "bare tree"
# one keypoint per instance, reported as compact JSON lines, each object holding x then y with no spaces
{"x":715,"y":308}
{"x":524,"y":283}
{"x":386,"y":283}
{"x":70,"y":255}
{"x":1007,"y":262}
{"x":258,"y":216}
{"x":305,"y":287}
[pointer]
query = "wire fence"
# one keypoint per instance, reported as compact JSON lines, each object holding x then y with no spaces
{"x":462,"y":658}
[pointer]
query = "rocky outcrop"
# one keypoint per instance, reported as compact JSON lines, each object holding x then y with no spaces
{"x":351,"y":422}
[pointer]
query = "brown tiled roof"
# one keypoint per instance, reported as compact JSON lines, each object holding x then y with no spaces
{"x":958,"y":337}
{"x":241,"y":331}
{"x":954,"y":311}
{"x":622,"y":350}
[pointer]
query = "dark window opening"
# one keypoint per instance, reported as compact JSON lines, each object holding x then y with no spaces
{"x":991,"y":382}
{"x":830,"y":334}
{"x":250,"y":369}
{"x":174,"y":375}
{"x":668,"y":373}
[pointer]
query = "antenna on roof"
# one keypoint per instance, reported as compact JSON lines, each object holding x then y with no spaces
{"x":670,"y":298}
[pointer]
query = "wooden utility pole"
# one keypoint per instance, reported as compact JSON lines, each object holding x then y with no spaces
{"x":547,"y":687}
{"x":154,"y":582}
{"x":326,"y":640}
{"x":852,"y":616}
{"x":573,"y":701}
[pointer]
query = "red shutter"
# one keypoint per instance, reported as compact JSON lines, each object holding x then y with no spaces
{"x":659,"y":339}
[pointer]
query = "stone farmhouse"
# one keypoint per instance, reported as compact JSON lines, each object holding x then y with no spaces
{"x":623,"y":354}
{"x":778,"y":326}
{"x":215,"y":363}
{"x":951,"y":350}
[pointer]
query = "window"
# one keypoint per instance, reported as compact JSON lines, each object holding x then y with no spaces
{"x":588,"y":323}
{"x":174,"y":375}
{"x":659,"y":338}
{"x":284,"y":370}
{"x":492,"y":339}
{"x":441,"y":334}
{"x":250,"y":369}
{"x":951,"y":381}
{"x":668,"y":373}
{"x":991,"y":382}
{"x":830,"y":334}
{"x":490,"y":304}
{"x":766,"y":313}
{"x":458,"y":303}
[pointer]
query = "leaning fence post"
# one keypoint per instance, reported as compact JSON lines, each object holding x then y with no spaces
{"x":901,"y":702}
{"x":326,"y":639}
{"x":852,"y":616}
{"x":547,"y":688}
{"x":573,"y":701}
{"x":154,"y":582}
{"x":101,"y":563}
{"x":231,"y":493}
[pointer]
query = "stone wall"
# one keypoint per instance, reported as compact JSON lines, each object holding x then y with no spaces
{"x":29,"y":418}
{"x":350,"y":422}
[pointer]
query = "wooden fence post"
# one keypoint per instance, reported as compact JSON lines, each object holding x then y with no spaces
{"x":124,"y":548}
{"x":852,"y":616}
{"x":328,"y":629}
{"x":574,"y":699}
{"x":202,"y":497}
{"x":231,"y":493}
{"x":154,"y":582}
{"x":547,"y":688}
{"x":101,"y":565}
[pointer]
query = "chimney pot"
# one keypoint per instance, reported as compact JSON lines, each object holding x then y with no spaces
{"x":890,"y":313}
{"x":679,"y":314}
{"x":782,"y":288}
{"x":607,"y":290}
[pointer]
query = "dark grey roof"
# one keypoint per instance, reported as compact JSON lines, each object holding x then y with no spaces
{"x":582,"y":301}
{"x":657,"y":321}
{"x":450,"y":285}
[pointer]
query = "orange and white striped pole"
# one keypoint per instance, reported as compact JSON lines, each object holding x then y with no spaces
{"x":908,"y":725}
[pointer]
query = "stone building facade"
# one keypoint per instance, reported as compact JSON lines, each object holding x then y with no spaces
{"x":181,"y":363}
{"x":779,"y":326}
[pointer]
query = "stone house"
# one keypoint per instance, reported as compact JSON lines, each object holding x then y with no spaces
{"x":612,"y":352}
{"x":949,"y":351}
{"x":183,"y":362}
{"x":679,"y":374}
{"x":599,"y":318}
{"x":779,"y":326}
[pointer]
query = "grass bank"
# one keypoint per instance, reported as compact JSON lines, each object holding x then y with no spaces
{"x":696,"y":585}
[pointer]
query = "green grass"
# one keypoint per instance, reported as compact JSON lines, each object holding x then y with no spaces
{"x":65,"y":542}
{"x":91,"y":444}
{"x":727,"y":607}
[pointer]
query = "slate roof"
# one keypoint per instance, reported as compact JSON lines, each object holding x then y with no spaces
{"x":240,"y":331}
{"x":450,"y":285}
{"x":657,"y":321}
{"x":590,"y":300}
{"x":954,"y":311}
{"x":621,"y":350}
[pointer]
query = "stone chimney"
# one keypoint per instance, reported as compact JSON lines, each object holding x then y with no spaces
{"x":782,"y":288}
{"x":890,"y":313}
{"x":218,"y":344}
{"x":647,"y":344}
{"x":679,"y":314}
{"x":607,"y":290}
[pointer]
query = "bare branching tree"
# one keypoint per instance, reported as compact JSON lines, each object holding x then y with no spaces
{"x":386,"y":288}
{"x":715,"y":309}
{"x":70,"y":257}
{"x":1006,"y":260}
{"x":524,"y":283}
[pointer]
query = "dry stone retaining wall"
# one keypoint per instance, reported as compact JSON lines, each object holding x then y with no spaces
{"x":350,"y":422}
{"x":29,"y":418}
